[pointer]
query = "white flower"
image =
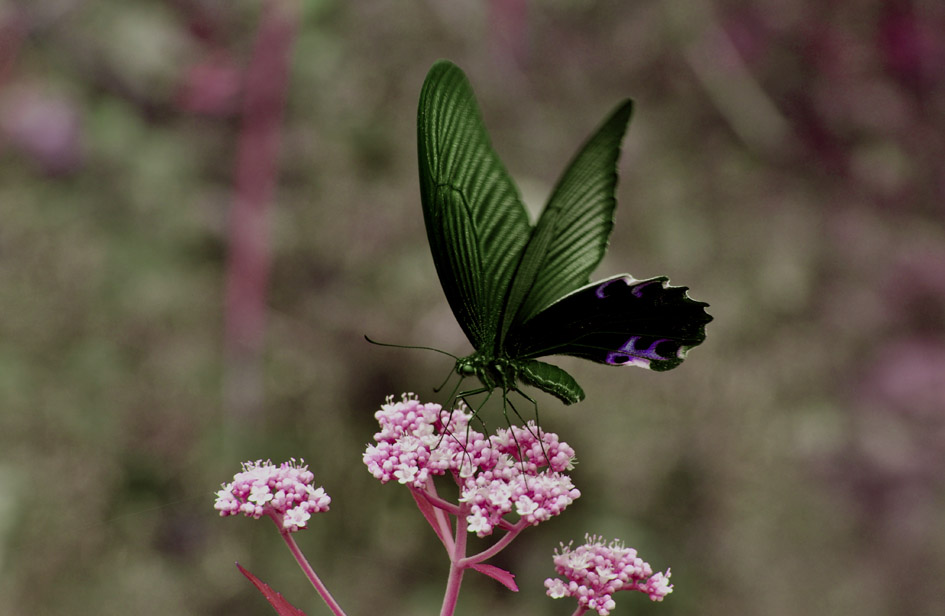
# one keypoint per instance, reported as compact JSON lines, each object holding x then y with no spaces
{"x":296,"y":518}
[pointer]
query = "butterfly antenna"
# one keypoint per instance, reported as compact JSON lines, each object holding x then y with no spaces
{"x":409,"y":346}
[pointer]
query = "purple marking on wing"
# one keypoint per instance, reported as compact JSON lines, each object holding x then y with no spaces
{"x":600,"y":291}
{"x":638,"y":289}
{"x":629,"y":354}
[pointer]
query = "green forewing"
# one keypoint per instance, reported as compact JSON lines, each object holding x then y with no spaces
{"x":475,"y":220}
{"x":571,"y":236}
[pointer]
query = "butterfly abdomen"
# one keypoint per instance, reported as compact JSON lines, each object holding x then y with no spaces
{"x":550,"y":379}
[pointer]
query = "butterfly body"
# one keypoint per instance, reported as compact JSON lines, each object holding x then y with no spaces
{"x":506,"y":372}
{"x":492,"y":372}
{"x":521,"y":292}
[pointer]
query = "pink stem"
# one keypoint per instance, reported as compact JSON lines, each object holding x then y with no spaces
{"x":13,"y":32}
{"x":506,"y":525}
{"x":456,"y":569}
{"x":439,"y":503}
{"x":320,"y":588}
{"x":509,"y":29}
{"x":495,"y":548}
{"x":437,"y":520}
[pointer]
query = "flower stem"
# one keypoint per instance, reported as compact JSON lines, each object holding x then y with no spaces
{"x":311,"y":575}
{"x":440,"y":503}
{"x":434,"y":515}
{"x":496,"y":547}
{"x":456,"y":565}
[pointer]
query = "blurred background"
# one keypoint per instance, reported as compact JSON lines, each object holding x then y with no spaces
{"x":205,"y":205}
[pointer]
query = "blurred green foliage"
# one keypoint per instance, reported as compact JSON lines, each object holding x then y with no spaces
{"x":785,"y":162}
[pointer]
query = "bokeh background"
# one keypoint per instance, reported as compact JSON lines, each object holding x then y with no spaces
{"x":786,"y":162}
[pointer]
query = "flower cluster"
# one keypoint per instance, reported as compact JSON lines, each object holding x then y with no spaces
{"x":418,"y":441}
{"x":284,"y":493}
{"x":595,"y":571}
{"x":521,"y":472}
{"x":520,"y":469}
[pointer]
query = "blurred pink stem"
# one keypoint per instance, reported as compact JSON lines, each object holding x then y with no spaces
{"x":509,"y":29}
{"x":247,"y":274}
{"x":13,"y":31}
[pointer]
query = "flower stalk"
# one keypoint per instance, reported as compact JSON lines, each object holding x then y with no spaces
{"x":309,"y":572}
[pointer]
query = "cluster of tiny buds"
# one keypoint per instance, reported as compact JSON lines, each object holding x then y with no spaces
{"x":595,"y":571}
{"x":284,"y":493}
{"x":520,"y":469}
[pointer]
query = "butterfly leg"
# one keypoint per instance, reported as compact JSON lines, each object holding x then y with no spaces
{"x":475,"y":392}
{"x":508,"y":404}
{"x":537,"y":419}
{"x":436,"y":390}
{"x":461,"y":396}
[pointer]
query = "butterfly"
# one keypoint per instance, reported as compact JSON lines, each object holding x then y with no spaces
{"x":521,"y":292}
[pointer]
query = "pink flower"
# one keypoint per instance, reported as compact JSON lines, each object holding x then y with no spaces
{"x":595,"y":571}
{"x":513,"y":470}
{"x":284,"y":493}
{"x":522,"y":473}
{"x":418,"y":441}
